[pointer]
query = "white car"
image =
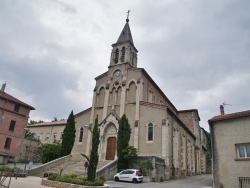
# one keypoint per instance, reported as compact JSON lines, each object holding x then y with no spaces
{"x":132,"y":175}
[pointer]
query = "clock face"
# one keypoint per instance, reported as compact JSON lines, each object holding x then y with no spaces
{"x":117,"y":73}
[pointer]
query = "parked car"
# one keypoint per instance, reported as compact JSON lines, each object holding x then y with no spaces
{"x":132,"y":175}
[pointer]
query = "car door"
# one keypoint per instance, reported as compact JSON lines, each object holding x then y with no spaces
{"x":124,"y":176}
{"x":130,"y":175}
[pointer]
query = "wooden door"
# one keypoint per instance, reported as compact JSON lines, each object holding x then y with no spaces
{"x":111,"y":148}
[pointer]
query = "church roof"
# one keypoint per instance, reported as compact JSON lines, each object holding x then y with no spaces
{"x":125,"y":35}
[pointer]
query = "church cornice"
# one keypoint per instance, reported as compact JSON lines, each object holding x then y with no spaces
{"x":102,"y":75}
{"x":124,"y":43}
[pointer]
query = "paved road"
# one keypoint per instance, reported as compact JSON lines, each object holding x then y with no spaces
{"x":199,"y":181}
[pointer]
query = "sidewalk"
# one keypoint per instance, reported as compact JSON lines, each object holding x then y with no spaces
{"x":27,"y":182}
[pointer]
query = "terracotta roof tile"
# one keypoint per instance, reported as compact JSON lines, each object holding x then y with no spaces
{"x":230,"y":116}
{"x":5,"y":95}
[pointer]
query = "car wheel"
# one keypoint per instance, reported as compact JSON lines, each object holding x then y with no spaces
{"x":134,"y":180}
{"x":116,"y":179}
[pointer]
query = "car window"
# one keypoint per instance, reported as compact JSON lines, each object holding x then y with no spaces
{"x":131,"y":172}
{"x":124,"y":172}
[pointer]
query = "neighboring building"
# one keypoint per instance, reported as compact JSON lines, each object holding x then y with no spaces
{"x":203,"y":151}
{"x":230,"y":138}
{"x":14,"y":117}
{"x":158,"y":128}
{"x":48,"y":132}
{"x":31,"y":150}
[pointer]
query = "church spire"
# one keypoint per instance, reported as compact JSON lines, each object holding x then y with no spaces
{"x":124,"y":50}
{"x":125,"y":35}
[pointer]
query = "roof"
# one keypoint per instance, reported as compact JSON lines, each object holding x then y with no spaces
{"x":229,"y":116}
{"x":61,"y":122}
{"x":125,"y":35}
{"x":5,"y":95}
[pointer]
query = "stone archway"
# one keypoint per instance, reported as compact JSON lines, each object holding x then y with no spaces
{"x":109,"y":142}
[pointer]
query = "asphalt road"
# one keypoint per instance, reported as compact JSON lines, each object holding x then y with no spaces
{"x":199,"y":181}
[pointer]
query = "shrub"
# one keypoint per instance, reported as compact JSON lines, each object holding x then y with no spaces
{"x":9,"y":169}
{"x":72,"y":178}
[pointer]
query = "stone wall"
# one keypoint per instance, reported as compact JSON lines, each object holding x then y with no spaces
{"x":38,"y":171}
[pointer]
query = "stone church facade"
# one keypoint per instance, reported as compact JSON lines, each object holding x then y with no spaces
{"x":158,"y":128}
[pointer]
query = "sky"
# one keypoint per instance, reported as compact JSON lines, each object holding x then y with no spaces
{"x":198,"y":52}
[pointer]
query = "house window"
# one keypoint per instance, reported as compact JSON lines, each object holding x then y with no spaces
{"x":47,"y":136}
{"x":12,"y":125}
{"x":150,"y":132}
{"x":54,"y":136}
{"x":116,"y":55}
{"x":81,"y":134}
{"x":7,"y":143}
{"x":41,"y":136}
{"x":17,"y":107}
{"x":243,"y":150}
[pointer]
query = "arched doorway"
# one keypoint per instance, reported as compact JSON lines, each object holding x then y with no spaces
{"x":111,"y":148}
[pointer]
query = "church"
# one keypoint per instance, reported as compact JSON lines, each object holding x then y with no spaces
{"x":158,"y":128}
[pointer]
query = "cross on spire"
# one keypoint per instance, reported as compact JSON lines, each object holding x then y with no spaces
{"x":128,"y":14}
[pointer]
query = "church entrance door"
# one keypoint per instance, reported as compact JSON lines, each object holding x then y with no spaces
{"x":111,"y":148}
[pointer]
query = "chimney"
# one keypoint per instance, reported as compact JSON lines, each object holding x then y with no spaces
{"x":3,"y":87}
{"x":222,"y":110}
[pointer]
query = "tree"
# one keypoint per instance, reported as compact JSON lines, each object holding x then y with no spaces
{"x":68,"y":137}
{"x":130,"y":154}
{"x":50,"y":151}
{"x":208,"y":154}
{"x":29,"y":135}
{"x":93,"y":161}
{"x":123,"y":138}
{"x":35,"y":122}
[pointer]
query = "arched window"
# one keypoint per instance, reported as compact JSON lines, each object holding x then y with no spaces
{"x":123,"y":53}
{"x":81,"y":134}
{"x":100,"y":97}
{"x":131,"y":94}
{"x":150,"y":132}
{"x":116,"y":55}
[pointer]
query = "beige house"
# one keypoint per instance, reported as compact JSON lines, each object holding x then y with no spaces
{"x":47,"y":132}
{"x":158,"y":128}
{"x":230,"y":137}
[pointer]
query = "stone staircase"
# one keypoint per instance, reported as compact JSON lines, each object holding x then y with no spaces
{"x":77,"y":167}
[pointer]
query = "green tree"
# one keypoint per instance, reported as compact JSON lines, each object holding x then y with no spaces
{"x":29,"y":135}
{"x":50,"y":151}
{"x":208,"y":154}
{"x":123,"y":138}
{"x":130,"y":154}
{"x":68,"y":137}
{"x":35,"y":122}
{"x":93,"y":161}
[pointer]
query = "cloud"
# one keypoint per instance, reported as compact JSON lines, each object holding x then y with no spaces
{"x":196,"y":51}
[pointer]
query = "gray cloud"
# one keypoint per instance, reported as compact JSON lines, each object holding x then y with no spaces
{"x":196,"y":51}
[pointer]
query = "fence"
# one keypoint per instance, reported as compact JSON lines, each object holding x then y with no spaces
{"x":243,"y":182}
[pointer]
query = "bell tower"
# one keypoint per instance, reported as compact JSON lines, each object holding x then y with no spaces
{"x":124,"y":51}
